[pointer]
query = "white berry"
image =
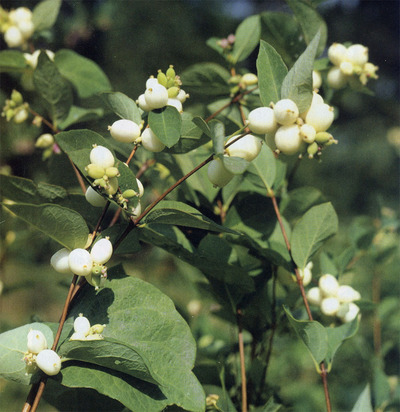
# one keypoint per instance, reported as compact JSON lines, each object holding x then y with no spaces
{"x":357,"y":54}
{"x":174,"y":102}
{"x":156,"y":96}
{"x":347,"y":68}
{"x":141,"y":101}
{"x":13,"y":37}
{"x":288,"y":139}
{"x":60,"y":261}
{"x":20,"y":14}
{"x":336,"y":79}
{"x":329,"y":306}
{"x":217,"y":173}
{"x":124,"y":130}
{"x":94,"y":198}
{"x":347,"y":294}
{"x":262,"y":120}
{"x":49,"y":362}
{"x":337,"y":53}
{"x":314,"y":296}
{"x":101,"y":156}
{"x":151,"y":82}
{"x":248,"y":147}
{"x":80,"y":262}
{"x":328,"y":285}
{"x":182,"y":96}
{"x":101,"y":251}
{"x":307,"y":133}
{"x":81,"y":325}
{"x":286,"y":112}
{"x":151,"y":142}
{"x":316,"y":79}
{"x":306,"y":274}
{"x":348,"y":312}
{"x":36,"y":341}
{"x":320,"y":116}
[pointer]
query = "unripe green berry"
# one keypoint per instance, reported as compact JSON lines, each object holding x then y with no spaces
{"x":171,"y":72}
{"x":323,"y":137}
{"x":328,"y":285}
{"x":36,"y":341}
{"x":97,"y":328}
{"x":94,"y":171}
{"x":173,"y":92}
{"x":248,"y":147}
{"x":288,"y":139}
{"x":249,"y":79}
{"x":112,"y":172}
{"x":124,"y":130}
{"x":307,"y":133}
{"x":44,"y":141}
{"x":101,"y":251}
{"x":330,"y":306}
{"x":60,"y":261}
{"x":312,"y":149}
{"x":16,"y":97}
{"x":156,"y":96}
{"x":151,"y":142}
{"x":337,"y":53}
{"x":49,"y":362}
{"x":217,"y":173}
{"x":129,"y":193}
{"x":81,"y":325}
{"x":162,"y":78}
{"x":262,"y":120}
{"x":94,"y":198}
{"x":336,"y":79}
{"x":286,"y":112}
{"x":111,"y":186}
{"x":101,"y":156}
{"x":80,"y":262}
{"x":320,"y":116}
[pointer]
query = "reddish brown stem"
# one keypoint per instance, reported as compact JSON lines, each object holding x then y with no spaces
{"x":132,"y":154}
{"x":45,"y":121}
{"x":239,"y":315}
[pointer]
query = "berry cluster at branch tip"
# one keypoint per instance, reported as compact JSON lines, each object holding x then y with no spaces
{"x":81,"y":262}
{"x":16,"y":26}
{"x":15,"y":108}
{"x":83,"y":330}
{"x":349,"y":64}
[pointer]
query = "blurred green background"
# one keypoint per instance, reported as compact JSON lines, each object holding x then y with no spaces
{"x":131,"y":39}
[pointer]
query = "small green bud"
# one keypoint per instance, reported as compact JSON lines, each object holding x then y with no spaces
{"x":173,"y":92}
{"x":170,"y":82}
{"x":162,"y":78}
{"x":100,"y":182}
{"x":323,"y":137}
{"x":97,"y":328}
{"x":112,"y":172}
{"x":16,"y":97}
{"x":171,"y":72}
{"x":95,"y":171}
{"x":10,"y":114}
{"x":312,"y":149}
{"x":129,"y":193}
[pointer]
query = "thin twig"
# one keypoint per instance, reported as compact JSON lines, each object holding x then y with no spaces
{"x":239,"y":315}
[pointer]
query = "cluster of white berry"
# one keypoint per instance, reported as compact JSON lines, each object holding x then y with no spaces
{"x":288,"y":131}
{"x":83,"y":263}
{"x":247,"y":147}
{"x":83,"y":330}
{"x":38,"y":354}
{"x":334,"y":299}
{"x":15,"y":108}
{"x":102,"y":169}
{"x":17,"y":26}
{"x":349,"y":62}
{"x":163,"y":90}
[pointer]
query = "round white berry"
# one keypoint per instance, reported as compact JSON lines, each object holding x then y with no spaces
{"x":20,"y":116}
{"x":357,"y":54}
{"x":20,"y":14}
{"x":307,"y":133}
{"x":141,"y":101}
{"x":248,"y":147}
{"x":101,"y":156}
{"x":60,"y":261}
{"x":320,"y":116}
{"x":49,"y":362}
{"x":316,"y":79}
{"x":328,"y":285}
{"x":101,"y":251}
{"x":32,"y":59}
{"x":175,"y":103}
{"x":124,"y":130}
{"x":347,"y":294}
{"x":26,"y":28}
{"x":249,"y":79}
{"x":337,"y":53}
{"x":36,"y":341}
{"x":94,"y":198}
{"x":80,"y":262}
{"x":347,"y":68}
{"x":151,"y":142}
{"x":217,"y":173}
{"x":314,"y":296}
{"x":288,"y":139}
{"x":151,"y":82}
{"x":329,"y":306}
{"x":81,"y":325}
{"x":306,"y":273}
{"x":286,"y":112}
{"x":262,"y":120}
{"x":13,"y":37}
{"x":347,"y":312}
{"x":156,"y":96}
{"x":336,"y":79}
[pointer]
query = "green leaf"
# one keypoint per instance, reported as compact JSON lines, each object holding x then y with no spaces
{"x":140,"y":316}
{"x":123,"y":106}
{"x":64,"y":225}
{"x":247,"y":36}
{"x":363,"y":403}
{"x":45,"y":14}
{"x":12,"y":60}
{"x":202,"y":125}
{"x":271,"y":71}
{"x":12,"y":348}
{"x":297,"y":84}
{"x":85,"y":75}
{"x":310,"y":22}
{"x":53,"y":88}
{"x":336,"y":336}
{"x":218,"y":136}
{"x":79,"y":115}
{"x":235,"y":165}
{"x":264,"y":166}
{"x":166,"y":125}
{"x":317,"y":225}
{"x":208,"y":79}
{"x":178,"y":213}
{"x":313,"y":335}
